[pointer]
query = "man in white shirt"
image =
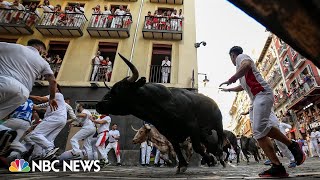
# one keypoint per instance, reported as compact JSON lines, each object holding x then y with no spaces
{"x":53,"y":122}
{"x":174,"y":21}
{"x":165,"y":69}
{"x":261,"y":96}
{"x":314,"y":135}
{"x":79,"y":17}
{"x":85,"y":133}
{"x":104,"y":122}
{"x":19,"y":67}
{"x":96,"y":63}
{"x":114,"y":136}
{"x":118,"y":20}
{"x":146,"y":148}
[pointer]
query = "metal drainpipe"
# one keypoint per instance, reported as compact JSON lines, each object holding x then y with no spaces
{"x":135,"y":35}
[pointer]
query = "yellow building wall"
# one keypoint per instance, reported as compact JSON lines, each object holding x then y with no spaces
{"x":76,"y":66}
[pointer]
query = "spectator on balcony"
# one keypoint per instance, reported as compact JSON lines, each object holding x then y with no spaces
{"x":5,"y":5}
{"x":118,"y":19}
{"x":180,"y":15}
{"x":109,"y":70}
{"x":57,"y":15}
{"x":127,"y":20}
{"x":163,"y":21}
{"x":148,"y":23}
{"x":96,"y":62}
{"x":96,"y":16}
{"x":165,"y":69}
{"x":110,"y":17}
{"x":79,"y":17}
{"x":156,"y":19}
{"x":16,"y":16}
{"x":174,"y":20}
{"x":32,"y":15}
{"x":3,"y":13}
{"x":69,"y":17}
{"x":56,"y":65}
{"x":47,"y":9}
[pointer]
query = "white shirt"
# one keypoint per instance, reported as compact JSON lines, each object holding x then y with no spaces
{"x":97,"y":60}
{"x":314,"y":135}
{"x":283,"y":127}
{"x":70,"y":112}
{"x":47,"y":8}
{"x":252,"y":82}
{"x":22,"y":63}
{"x":107,"y":12}
{"x":109,"y":67}
{"x":19,"y":7}
{"x":113,"y":133}
{"x":86,"y":121}
{"x":165,"y":69}
{"x":79,"y":11}
{"x":60,"y":112}
{"x":120,"y":12}
{"x":5,"y":4}
{"x":105,"y":126}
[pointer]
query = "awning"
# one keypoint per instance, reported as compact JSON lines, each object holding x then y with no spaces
{"x":296,"y":22}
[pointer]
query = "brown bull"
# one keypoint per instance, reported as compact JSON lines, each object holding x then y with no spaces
{"x":150,"y":133}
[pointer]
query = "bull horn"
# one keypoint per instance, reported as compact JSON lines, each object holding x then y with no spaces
{"x":134,"y":129}
{"x":106,"y":85}
{"x":135,"y":73}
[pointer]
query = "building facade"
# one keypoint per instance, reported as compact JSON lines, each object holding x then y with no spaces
{"x":295,"y":84}
{"x":76,"y":30}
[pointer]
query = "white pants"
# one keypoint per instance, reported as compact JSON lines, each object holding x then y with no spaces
{"x":157,"y":158}
{"x":113,"y":146}
{"x":46,"y":132}
{"x":305,"y":149}
{"x":85,"y":133}
{"x":12,"y":95}
{"x":314,"y":148}
{"x":94,"y":73}
{"x":101,"y":147}
{"x":3,"y":128}
{"x":21,"y":126}
{"x":165,"y":77}
{"x":145,"y":153}
{"x":94,"y":148}
{"x":285,"y":151}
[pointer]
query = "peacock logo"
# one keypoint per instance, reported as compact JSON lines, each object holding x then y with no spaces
{"x":19,"y":165}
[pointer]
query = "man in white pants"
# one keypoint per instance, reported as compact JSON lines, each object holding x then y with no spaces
{"x":261,"y":96}
{"x":158,"y":161}
{"x":103,"y":132}
{"x":19,"y":121}
{"x":85,"y":133}
{"x":314,"y":135}
{"x":114,"y":136}
{"x":146,"y":148}
{"x":53,"y":122}
{"x":96,"y":62}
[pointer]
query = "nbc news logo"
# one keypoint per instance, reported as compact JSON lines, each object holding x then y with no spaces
{"x":19,"y":165}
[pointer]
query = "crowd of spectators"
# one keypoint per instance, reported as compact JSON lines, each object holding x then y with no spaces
{"x":164,"y":20}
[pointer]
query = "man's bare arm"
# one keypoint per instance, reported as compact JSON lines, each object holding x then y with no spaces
{"x":41,"y":99}
{"x":52,"y":88}
{"x":234,"y":89}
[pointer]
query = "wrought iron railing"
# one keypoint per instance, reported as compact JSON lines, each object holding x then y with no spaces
{"x":14,"y":16}
{"x":302,"y":90}
{"x":101,"y":72}
{"x":163,"y":23}
{"x":61,"y":19}
{"x":273,"y":80}
{"x":160,"y":74}
{"x":110,"y":21}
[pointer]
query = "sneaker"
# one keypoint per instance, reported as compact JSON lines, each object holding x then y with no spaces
{"x":75,"y":156}
{"x":267,"y":162}
{"x":297,"y":152}
{"x":275,"y":171}
{"x":51,"y":153}
{"x":292,"y":165}
{"x":7,"y":136}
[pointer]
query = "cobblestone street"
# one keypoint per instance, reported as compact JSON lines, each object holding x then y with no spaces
{"x":309,"y":169}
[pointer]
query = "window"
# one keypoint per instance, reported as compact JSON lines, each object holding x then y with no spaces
{"x":159,"y":73}
{"x":8,"y":40}
{"x":26,"y":3}
{"x":56,"y":53}
{"x":102,"y":70}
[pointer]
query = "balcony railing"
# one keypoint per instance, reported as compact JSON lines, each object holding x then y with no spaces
{"x":273,"y":80}
{"x":160,"y":74}
{"x":112,"y":26}
{"x":101,"y":72}
{"x":280,"y":99}
{"x":61,"y":24}
{"x":166,"y":28}
{"x":178,"y":2}
{"x":302,"y":90}
{"x":299,"y":61}
{"x":283,"y":49}
{"x":17,"y":22}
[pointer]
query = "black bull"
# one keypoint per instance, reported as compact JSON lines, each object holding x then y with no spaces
{"x":176,"y":113}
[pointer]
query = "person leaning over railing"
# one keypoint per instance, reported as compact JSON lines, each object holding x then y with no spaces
{"x":127,"y":20}
{"x":79,"y":16}
{"x":104,"y":20}
{"x":32,"y":14}
{"x":3,"y":12}
{"x":47,"y":9}
{"x":96,"y":16}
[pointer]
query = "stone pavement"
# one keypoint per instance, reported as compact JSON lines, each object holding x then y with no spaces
{"x":310,"y":169}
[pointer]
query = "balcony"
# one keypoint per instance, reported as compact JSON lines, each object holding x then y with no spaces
{"x":273,"y":81}
{"x":165,"y":28}
{"x":299,"y":61}
{"x":101,"y":73}
{"x":283,"y":49}
{"x":17,"y":22}
{"x":61,"y":24}
{"x":160,"y":74}
{"x":107,"y":26}
{"x":177,"y":2}
{"x":281,"y":100}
